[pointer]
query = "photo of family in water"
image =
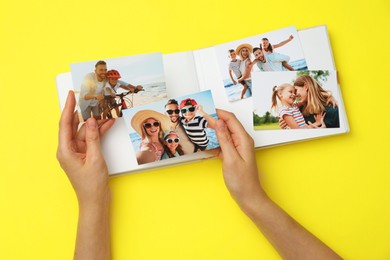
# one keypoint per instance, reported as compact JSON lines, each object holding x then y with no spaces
{"x":172,"y":128}
{"x":105,"y":88}
{"x":278,"y":50}
{"x":295,"y":100}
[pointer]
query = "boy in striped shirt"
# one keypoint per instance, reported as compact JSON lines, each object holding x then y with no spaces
{"x":194,"y":125}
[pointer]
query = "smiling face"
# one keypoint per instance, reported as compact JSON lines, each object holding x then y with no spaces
{"x":101,"y":71}
{"x":265,"y":43}
{"x":151,"y":126}
{"x":188,"y":115}
{"x":113,"y":81}
{"x":232,"y":55}
{"x":259,"y":55}
{"x":301,"y":93}
{"x":244,"y":53}
{"x":287,"y":95}
{"x":173,"y":116}
{"x":170,"y":142}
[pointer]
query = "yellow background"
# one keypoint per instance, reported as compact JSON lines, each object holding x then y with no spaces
{"x":337,"y":187}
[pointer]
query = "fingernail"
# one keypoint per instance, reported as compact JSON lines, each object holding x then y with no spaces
{"x":221,"y":126}
{"x":91,"y":123}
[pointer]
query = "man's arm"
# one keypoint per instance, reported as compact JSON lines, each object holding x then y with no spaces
{"x":287,"y":66}
{"x":86,"y":86}
{"x":289,"y":238}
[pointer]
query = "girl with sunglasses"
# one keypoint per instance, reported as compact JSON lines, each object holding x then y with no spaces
{"x":150,"y":125}
{"x":172,"y":146}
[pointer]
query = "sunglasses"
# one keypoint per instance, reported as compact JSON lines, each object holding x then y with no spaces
{"x":149,"y":125}
{"x":170,"y":111}
{"x":171,"y":140}
{"x":190,"y":109}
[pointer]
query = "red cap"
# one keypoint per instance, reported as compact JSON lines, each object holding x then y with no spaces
{"x":187,"y":102}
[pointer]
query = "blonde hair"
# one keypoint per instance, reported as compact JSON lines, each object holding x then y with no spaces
{"x":317,"y":97}
{"x":145,"y":135}
{"x":275,"y":91}
{"x":249,"y":53}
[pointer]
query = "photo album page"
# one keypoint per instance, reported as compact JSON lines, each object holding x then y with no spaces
{"x":282,"y":86}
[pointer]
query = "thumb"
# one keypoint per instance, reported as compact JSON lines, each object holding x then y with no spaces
{"x":211,"y":122}
{"x":92,"y":139}
{"x":225,"y":140}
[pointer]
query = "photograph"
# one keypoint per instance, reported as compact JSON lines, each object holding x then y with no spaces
{"x":279,"y":50}
{"x":105,"y":88}
{"x":295,"y":100}
{"x":172,"y":128}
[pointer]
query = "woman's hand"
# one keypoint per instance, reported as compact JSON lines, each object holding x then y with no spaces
{"x":290,"y":239}
{"x":79,"y":153}
{"x":238,"y":160}
{"x":319,"y":120}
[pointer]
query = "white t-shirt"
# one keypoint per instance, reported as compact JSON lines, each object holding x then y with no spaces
{"x":243,"y":67}
{"x":99,"y":90}
{"x":108,"y":86}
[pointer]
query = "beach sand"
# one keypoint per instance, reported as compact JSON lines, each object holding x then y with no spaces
{"x":139,"y":100}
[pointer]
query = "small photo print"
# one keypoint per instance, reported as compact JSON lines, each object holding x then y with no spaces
{"x":295,"y":100}
{"x":278,"y":50}
{"x":105,"y":88}
{"x":172,"y":128}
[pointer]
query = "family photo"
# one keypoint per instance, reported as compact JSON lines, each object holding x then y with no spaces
{"x":105,"y":88}
{"x":274,"y":51}
{"x":295,"y":100}
{"x":172,"y":128}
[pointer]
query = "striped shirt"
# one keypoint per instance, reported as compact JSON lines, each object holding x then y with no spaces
{"x":195,"y":130}
{"x":294,"y":112}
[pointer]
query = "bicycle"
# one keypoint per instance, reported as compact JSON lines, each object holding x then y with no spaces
{"x":119,"y":103}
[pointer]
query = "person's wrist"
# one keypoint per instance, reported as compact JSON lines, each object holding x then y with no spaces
{"x":250,"y":205}
{"x":90,"y":200}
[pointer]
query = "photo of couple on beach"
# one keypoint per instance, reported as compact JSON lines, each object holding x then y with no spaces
{"x":278,"y":50}
{"x":172,"y":128}
{"x":295,"y":100}
{"x":105,"y":88}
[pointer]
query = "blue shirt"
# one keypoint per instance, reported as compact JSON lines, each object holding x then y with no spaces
{"x":273,"y":62}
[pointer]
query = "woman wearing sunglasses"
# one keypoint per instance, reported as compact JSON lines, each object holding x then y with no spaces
{"x":150,"y":125}
{"x":172,"y":146}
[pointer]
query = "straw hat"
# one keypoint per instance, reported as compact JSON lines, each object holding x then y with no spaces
{"x":244,"y":45}
{"x":141,"y":116}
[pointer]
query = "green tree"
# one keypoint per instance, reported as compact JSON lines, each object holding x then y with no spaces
{"x":320,"y":75}
{"x":267,"y":118}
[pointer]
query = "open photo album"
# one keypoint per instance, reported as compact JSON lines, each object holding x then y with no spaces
{"x":281,"y":85}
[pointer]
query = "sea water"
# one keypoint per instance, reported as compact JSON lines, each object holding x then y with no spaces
{"x":233,"y":92}
{"x":157,"y":89}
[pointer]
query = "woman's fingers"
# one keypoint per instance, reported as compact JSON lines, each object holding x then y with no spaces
{"x":225,"y":140}
{"x":66,"y":122}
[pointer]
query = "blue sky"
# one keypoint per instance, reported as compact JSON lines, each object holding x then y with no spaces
{"x":138,"y":70}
